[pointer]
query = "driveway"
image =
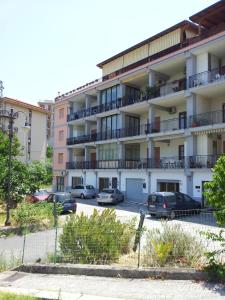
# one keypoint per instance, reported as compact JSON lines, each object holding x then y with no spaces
{"x":36,"y":246}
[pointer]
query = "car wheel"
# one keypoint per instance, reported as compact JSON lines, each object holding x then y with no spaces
{"x":93,"y":197}
{"x":81,"y":196}
{"x":152,"y":215}
{"x":74,"y":211}
{"x":172,"y":215}
{"x":100,"y":204}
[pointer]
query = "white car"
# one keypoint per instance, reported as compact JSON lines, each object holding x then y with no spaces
{"x":112,"y":196}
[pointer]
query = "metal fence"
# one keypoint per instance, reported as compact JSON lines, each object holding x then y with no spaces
{"x":159,"y":242}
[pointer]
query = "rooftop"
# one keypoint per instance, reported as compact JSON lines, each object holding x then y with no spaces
{"x":20,"y":103}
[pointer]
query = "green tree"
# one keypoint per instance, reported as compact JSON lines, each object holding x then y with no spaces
{"x":215,"y":191}
{"x":25,"y":178}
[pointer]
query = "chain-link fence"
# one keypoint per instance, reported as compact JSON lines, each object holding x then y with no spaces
{"x":104,"y":238}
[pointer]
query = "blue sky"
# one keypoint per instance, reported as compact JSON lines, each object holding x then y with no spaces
{"x":48,"y":46}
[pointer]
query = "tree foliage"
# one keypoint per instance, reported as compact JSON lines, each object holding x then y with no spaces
{"x":25,"y":178}
{"x":215,"y":191}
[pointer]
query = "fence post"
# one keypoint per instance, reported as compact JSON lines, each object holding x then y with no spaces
{"x":137,"y":241}
{"x":56,"y":227}
{"x":24,"y":245}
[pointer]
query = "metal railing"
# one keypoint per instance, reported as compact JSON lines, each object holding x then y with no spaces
{"x":175,"y":162}
{"x":206,"y":77}
{"x":209,"y":118}
{"x":167,"y":125}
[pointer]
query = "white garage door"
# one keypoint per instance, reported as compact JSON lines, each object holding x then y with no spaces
{"x":134,"y":189}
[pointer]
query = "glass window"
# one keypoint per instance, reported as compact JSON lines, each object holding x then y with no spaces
{"x":89,"y":187}
{"x":103,"y":97}
{"x":110,"y":95}
{"x":108,"y":98}
{"x":108,"y":151}
{"x":114,"y":96}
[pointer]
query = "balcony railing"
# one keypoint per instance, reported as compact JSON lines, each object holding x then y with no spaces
{"x":206,"y":77}
{"x":192,"y":162}
{"x":209,"y":118}
{"x":153,"y":92}
{"x":108,"y":135}
{"x":167,"y":125}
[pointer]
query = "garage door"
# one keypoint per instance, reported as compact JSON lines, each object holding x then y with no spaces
{"x":134,"y":190}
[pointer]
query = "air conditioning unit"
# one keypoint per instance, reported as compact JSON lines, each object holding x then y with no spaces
{"x":173,"y":110}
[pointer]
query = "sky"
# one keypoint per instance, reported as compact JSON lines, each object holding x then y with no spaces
{"x":51,"y":46}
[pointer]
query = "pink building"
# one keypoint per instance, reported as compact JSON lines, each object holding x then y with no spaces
{"x":60,"y":147}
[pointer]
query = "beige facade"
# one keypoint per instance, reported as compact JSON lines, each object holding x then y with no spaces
{"x":34,"y":141}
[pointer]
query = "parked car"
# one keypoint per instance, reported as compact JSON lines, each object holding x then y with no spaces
{"x":84,"y":191}
{"x":110,"y":196}
{"x":38,"y":196}
{"x":67,"y":200}
{"x":168,"y":204}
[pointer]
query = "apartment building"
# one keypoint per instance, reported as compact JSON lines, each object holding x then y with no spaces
{"x":60,"y":182}
{"x":34,"y":141}
{"x":155,"y":121}
{"x":49,"y":106}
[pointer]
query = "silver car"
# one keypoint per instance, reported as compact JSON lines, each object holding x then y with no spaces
{"x":84,"y":191}
{"x":110,"y":196}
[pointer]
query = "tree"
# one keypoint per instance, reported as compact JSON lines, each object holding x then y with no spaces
{"x":25,"y":178}
{"x":215,"y":191}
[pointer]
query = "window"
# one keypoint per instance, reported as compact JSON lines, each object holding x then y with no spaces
{"x":181,"y":152}
{"x":79,"y":187}
{"x":61,"y":113}
{"x":61,"y":135}
{"x":109,"y":126}
{"x":60,"y":158}
{"x":182,"y":120}
{"x":75,"y":181}
{"x":108,"y":152}
{"x":132,"y":94}
{"x":110,"y":95}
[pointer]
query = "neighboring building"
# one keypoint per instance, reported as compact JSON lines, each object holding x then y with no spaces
{"x":49,"y":106}
{"x":34,"y":142}
{"x":60,"y":146}
{"x":156,"y":119}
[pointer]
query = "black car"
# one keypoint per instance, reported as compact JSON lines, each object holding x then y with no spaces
{"x":67,"y":200}
{"x":168,"y":204}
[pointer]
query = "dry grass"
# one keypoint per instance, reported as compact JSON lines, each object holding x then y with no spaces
{"x":128,"y":260}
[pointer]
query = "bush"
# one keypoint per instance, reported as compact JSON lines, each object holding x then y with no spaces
{"x":172,"y":246}
{"x":39,"y":214}
{"x":10,"y":296}
{"x":98,"y":239}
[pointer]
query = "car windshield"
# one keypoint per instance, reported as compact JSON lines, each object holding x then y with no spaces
{"x":108,"y":191}
{"x":89,"y":187}
{"x":64,"y":198}
{"x":41,"y":193}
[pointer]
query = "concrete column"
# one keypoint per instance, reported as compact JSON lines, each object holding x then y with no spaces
{"x":190,"y":66}
{"x":70,"y":154}
{"x":121,"y":120}
{"x":86,"y":153}
{"x":149,"y":183}
{"x":75,"y":107}
{"x":98,"y":97}
{"x":121,"y":150}
{"x":119,"y":181}
{"x":87,"y":101}
{"x":190,"y":106}
{"x":87,"y":127}
{"x":70,"y":131}
{"x":152,"y":78}
{"x":98,"y":125}
{"x":151,"y":150}
{"x":190,"y":146}
{"x":97,"y":152}
{"x":190,"y":184}
{"x":151,"y":114}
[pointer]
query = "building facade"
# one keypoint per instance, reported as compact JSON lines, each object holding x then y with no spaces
{"x":155,"y":121}
{"x":33,"y":142}
{"x":60,"y":146}
{"x":49,"y":106}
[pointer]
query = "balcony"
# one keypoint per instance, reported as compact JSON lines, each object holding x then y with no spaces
{"x":108,"y":135}
{"x":167,"y":125}
{"x":207,"y":77}
{"x":209,"y":118}
{"x":164,"y":163}
{"x":202,"y":161}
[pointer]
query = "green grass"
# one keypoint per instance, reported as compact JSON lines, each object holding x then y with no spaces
{"x":10,"y":296}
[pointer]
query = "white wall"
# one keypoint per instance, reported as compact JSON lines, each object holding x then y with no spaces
{"x":170,"y":150}
{"x":198,"y":177}
{"x":202,"y":62}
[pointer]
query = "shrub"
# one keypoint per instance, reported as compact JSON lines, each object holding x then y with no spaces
{"x":10,"y":296}
{"x":172,"y":246}
{"x":98,"y":239}
{"x":39,"y":214}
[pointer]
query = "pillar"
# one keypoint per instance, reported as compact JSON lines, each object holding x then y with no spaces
{"x":87,"y":127}
{"x":121,"y":151}
{"x":152,"y":78}
{"x":87,"y":101}
{"x":190,"y":67}
{"x":86,"y":153}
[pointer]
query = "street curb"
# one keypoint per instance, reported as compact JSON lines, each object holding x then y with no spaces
{"x":114,"y":271}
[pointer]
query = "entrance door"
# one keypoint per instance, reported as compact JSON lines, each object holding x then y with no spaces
{"x":114,"y":182}
{"x":93,"y":160}
{"x":103,"y":183}
{"x":169,"y":187}
{"x":157,"y":157}
{"x":157,"y":124}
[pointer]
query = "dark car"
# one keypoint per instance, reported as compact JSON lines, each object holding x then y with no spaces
{"x":67,"y":201}
{"x":168,"y":204}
